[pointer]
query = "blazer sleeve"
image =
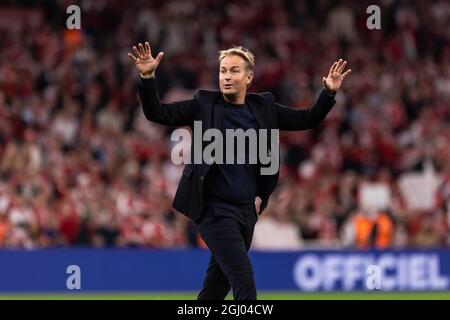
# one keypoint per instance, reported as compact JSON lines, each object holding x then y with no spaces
{"x":291,"y":119}
{"x":181,"y":113}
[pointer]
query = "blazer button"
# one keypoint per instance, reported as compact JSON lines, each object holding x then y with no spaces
{"x":201,"y":178}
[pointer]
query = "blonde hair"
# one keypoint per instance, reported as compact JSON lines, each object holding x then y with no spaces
{"x":241,"y":51}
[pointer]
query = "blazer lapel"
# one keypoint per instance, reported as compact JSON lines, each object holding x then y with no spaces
{"x":255,"y":110}
{"x":218,"y":113}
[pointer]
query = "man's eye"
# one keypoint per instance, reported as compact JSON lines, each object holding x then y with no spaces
{"x":235,"y":71}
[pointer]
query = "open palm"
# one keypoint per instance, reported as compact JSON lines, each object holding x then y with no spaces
{"x":143,"y":59}
{"x":335,"y":76}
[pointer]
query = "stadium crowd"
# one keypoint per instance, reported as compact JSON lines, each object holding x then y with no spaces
{"x":81,"y":166}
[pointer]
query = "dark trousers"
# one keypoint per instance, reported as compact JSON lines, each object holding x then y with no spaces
{"x":229,"y":238}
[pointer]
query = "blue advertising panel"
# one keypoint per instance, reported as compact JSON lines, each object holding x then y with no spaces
{"x":116,"y":270}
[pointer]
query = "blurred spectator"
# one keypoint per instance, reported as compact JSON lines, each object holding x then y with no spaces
{"x":369,"y":230}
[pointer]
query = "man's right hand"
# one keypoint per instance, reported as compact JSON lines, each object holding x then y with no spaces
{"x":145,"y":63}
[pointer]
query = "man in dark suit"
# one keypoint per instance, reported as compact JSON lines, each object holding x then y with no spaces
{"x":224,"y":200}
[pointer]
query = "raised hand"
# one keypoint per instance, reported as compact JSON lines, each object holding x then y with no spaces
{"x":144,"y":61}
{"x":335,"y":76}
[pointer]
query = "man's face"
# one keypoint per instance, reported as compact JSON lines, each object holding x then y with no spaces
{"x":233,"y":76}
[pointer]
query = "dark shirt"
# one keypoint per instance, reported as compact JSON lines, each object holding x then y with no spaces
{"x":234,"y":182}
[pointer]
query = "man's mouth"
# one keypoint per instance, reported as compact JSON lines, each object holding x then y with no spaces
{"x":227,"y":86}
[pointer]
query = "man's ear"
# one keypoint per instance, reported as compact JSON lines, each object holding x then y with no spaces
{"x":249,"y":78}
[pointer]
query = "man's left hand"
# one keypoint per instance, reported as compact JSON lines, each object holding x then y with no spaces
{"x":258,"y":202}
{"x":333,"y":81}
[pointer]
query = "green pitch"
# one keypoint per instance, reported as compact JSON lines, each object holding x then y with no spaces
{"x":445,"y":295}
